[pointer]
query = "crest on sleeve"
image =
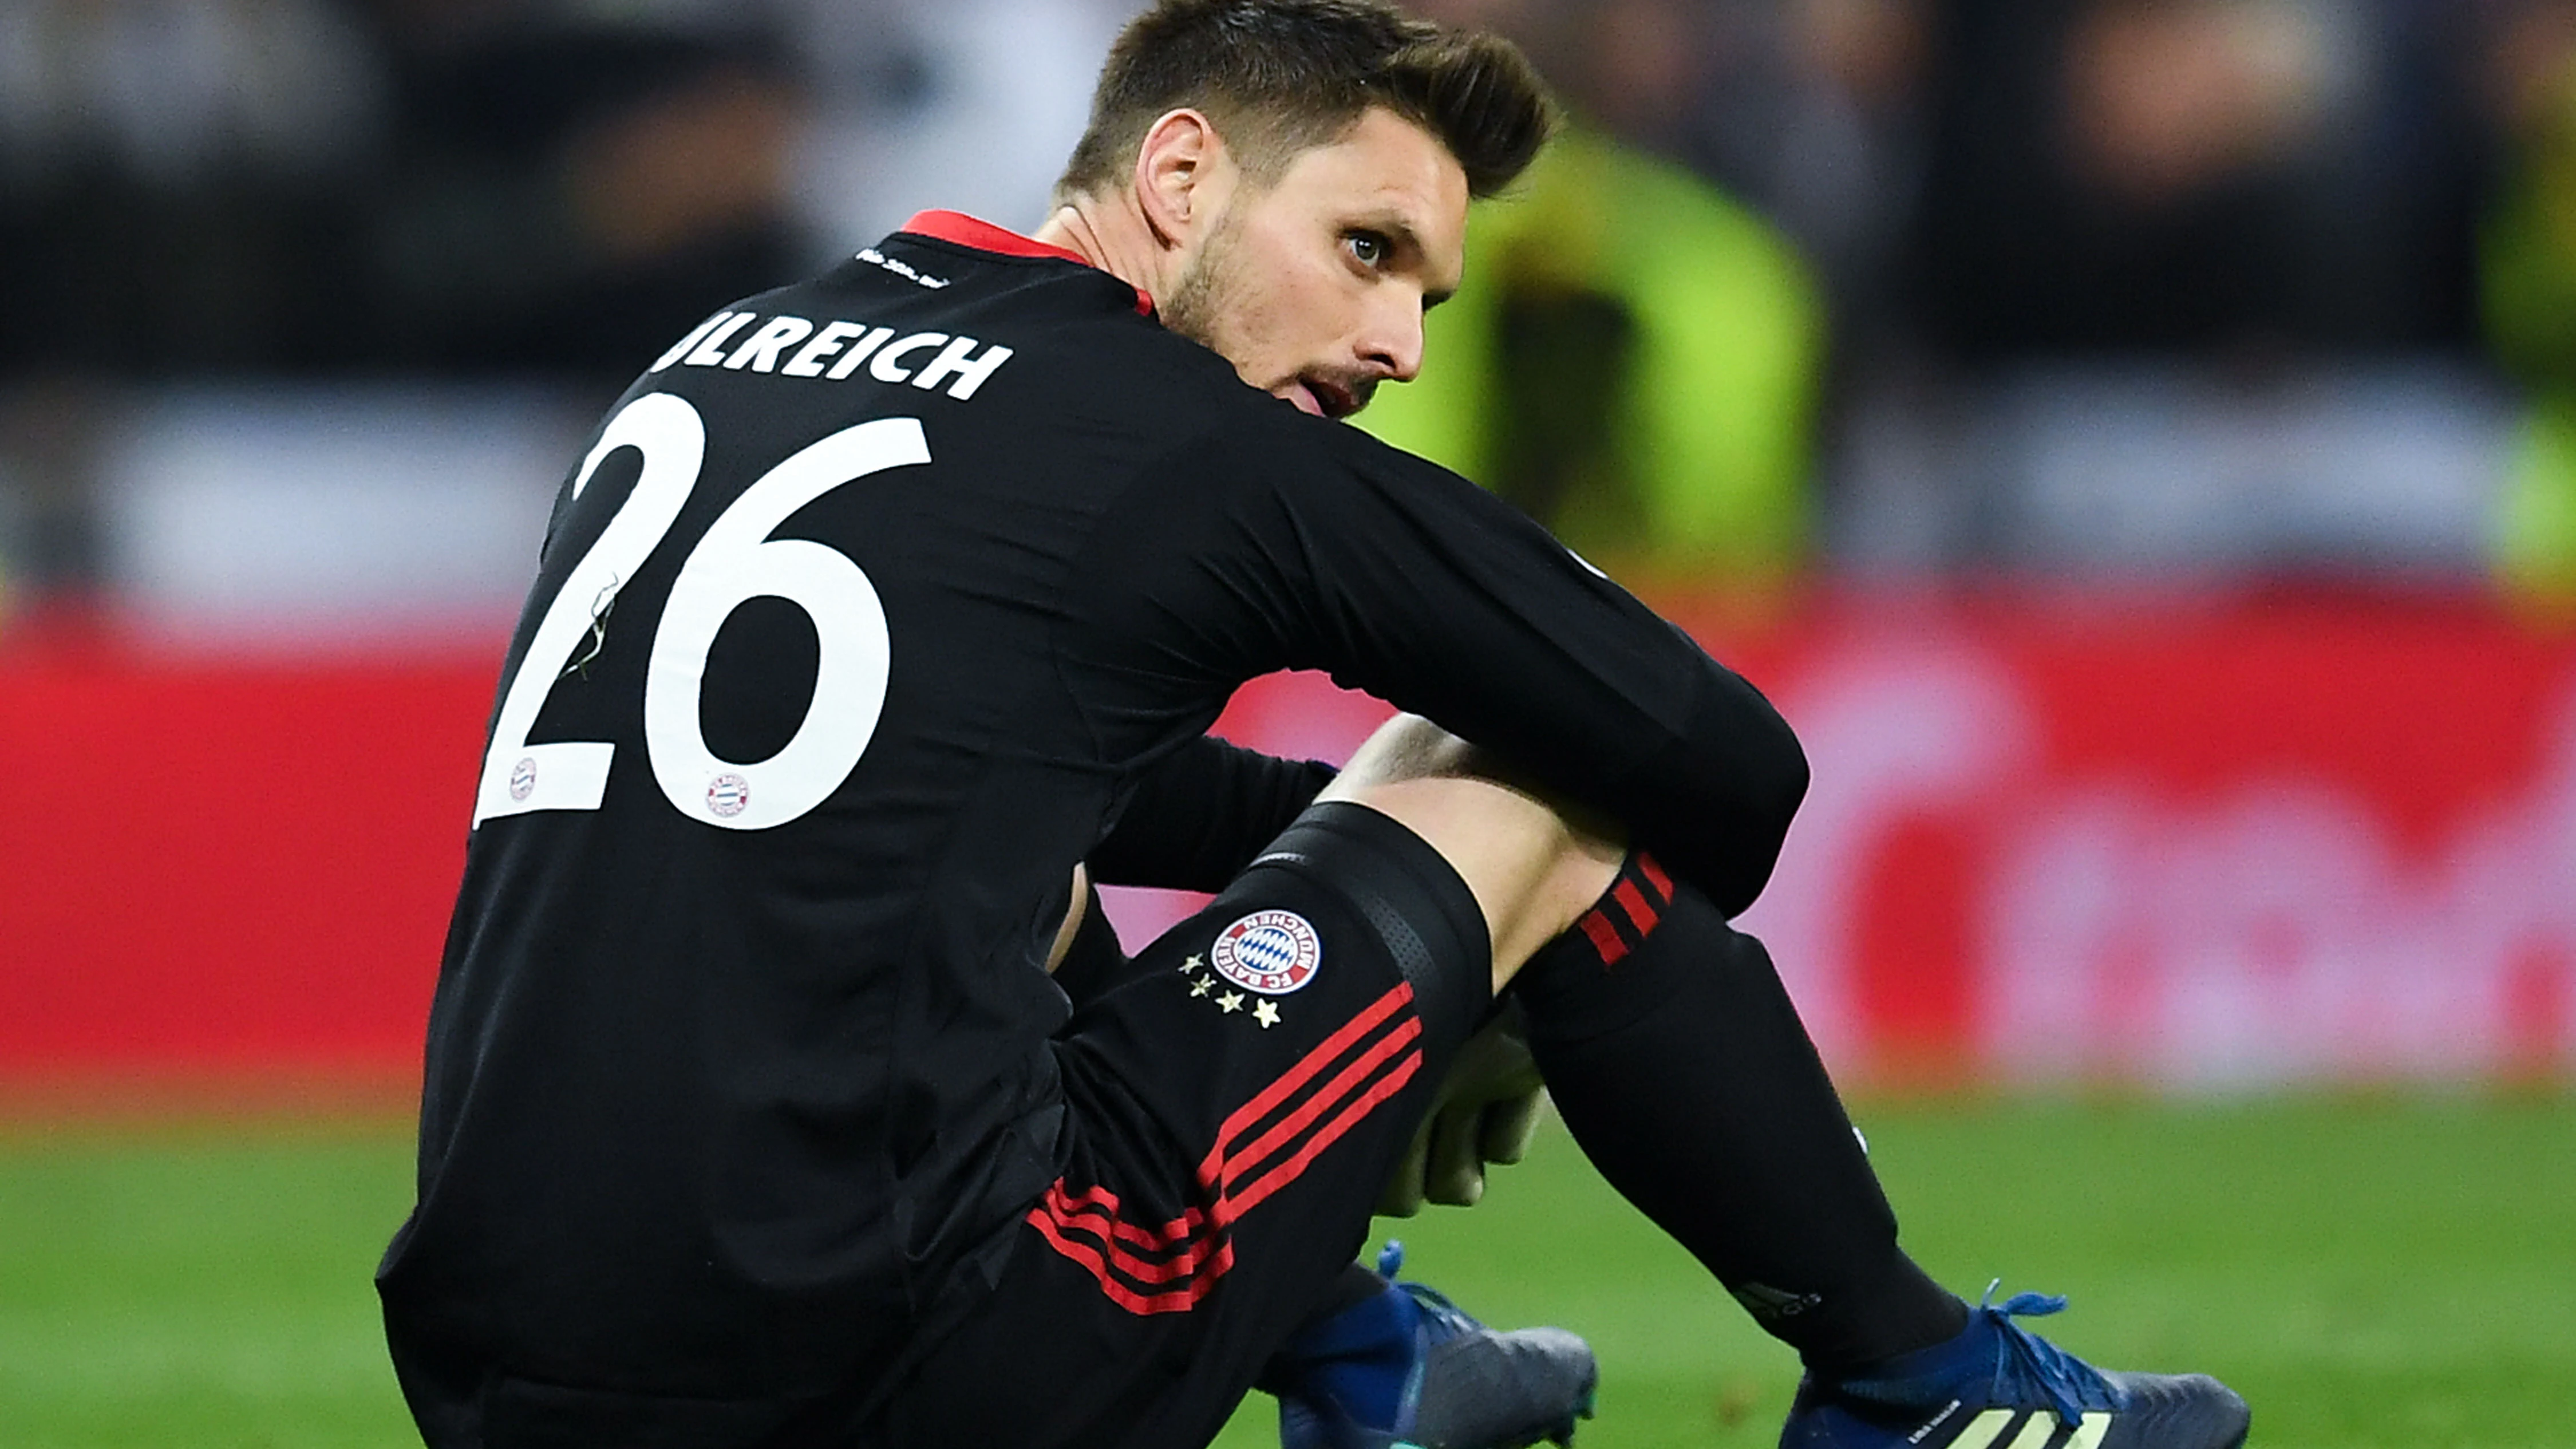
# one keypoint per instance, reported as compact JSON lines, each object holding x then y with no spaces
{"x":1271,"y":952}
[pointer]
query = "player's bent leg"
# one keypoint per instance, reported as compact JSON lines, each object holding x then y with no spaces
{"x":1673,"y":1053}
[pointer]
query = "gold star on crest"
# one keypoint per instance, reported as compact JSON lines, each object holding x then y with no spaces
{"x":1231,"y":1001}
{"x":1200,"y":986}
{"x":1266,"y":1014}
{"x":1191,"y":963}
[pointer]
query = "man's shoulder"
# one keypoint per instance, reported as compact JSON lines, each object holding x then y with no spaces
{"x":1314,"y":452}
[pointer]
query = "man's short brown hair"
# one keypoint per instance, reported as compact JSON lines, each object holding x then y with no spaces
{"x":1278,"y":77}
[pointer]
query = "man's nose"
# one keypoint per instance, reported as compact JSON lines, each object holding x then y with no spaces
{"x":1393,"y":343}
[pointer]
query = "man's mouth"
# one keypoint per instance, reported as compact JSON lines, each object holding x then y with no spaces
{"x":1296,"y":391}
{"x":1321,"y":396}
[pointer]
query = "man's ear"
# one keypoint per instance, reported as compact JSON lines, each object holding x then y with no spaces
{"x":1180,"y":176}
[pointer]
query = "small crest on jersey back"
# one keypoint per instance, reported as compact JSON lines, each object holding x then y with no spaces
{"x":727,"y":794}
{"x":523,"y":779}
{"x":1271,"y":952}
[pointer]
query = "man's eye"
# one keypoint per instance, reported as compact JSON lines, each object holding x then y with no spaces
{"x":1367,"y":248}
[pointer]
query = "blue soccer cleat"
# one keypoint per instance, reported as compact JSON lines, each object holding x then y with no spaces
{"x":1999,"y":1386}
{"x":1407,"y":1369}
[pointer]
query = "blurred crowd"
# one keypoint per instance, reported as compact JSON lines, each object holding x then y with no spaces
{"x":2166,"y":288}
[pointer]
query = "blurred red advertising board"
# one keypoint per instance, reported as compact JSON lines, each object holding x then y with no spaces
{"x":225,"y":869}
{"x":2286,"y":840}
{"x":2191,"y":842}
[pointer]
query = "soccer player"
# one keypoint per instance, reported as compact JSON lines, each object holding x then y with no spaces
{"x":880,"y":605}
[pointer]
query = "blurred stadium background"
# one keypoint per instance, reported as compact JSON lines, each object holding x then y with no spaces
{"x":2133,"y":440}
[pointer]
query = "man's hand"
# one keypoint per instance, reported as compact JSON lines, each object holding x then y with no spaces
{"x":1486,"y":1110}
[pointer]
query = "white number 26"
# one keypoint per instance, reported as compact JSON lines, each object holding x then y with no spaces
{"x":735,"y":562}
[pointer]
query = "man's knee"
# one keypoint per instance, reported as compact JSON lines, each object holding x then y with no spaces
{"x":1534,"y":864}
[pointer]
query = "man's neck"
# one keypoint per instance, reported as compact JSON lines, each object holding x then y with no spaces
{"x":1114,"y":238}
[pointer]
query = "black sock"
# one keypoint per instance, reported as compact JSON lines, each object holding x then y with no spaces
{"x":1680,"y":1064}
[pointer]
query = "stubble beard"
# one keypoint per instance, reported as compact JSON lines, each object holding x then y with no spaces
{"x":1198,"y":299}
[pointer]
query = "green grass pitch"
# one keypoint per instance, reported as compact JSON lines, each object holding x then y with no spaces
{"x":2369,"y":1272}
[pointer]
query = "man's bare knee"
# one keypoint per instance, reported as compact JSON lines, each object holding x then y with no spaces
{"x":1533,"y":864}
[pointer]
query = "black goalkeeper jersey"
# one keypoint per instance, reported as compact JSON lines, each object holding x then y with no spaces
{"x":867,"y":615}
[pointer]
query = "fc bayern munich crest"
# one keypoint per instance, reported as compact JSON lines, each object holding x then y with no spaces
{"x":1272,"y":952}
{"x":727,"y":794}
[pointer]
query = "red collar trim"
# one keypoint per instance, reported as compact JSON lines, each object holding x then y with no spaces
{"x":962,"y":230}
{"x":983,"y":236}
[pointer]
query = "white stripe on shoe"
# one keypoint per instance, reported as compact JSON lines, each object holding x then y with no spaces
{"x":1985,"y":1429}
